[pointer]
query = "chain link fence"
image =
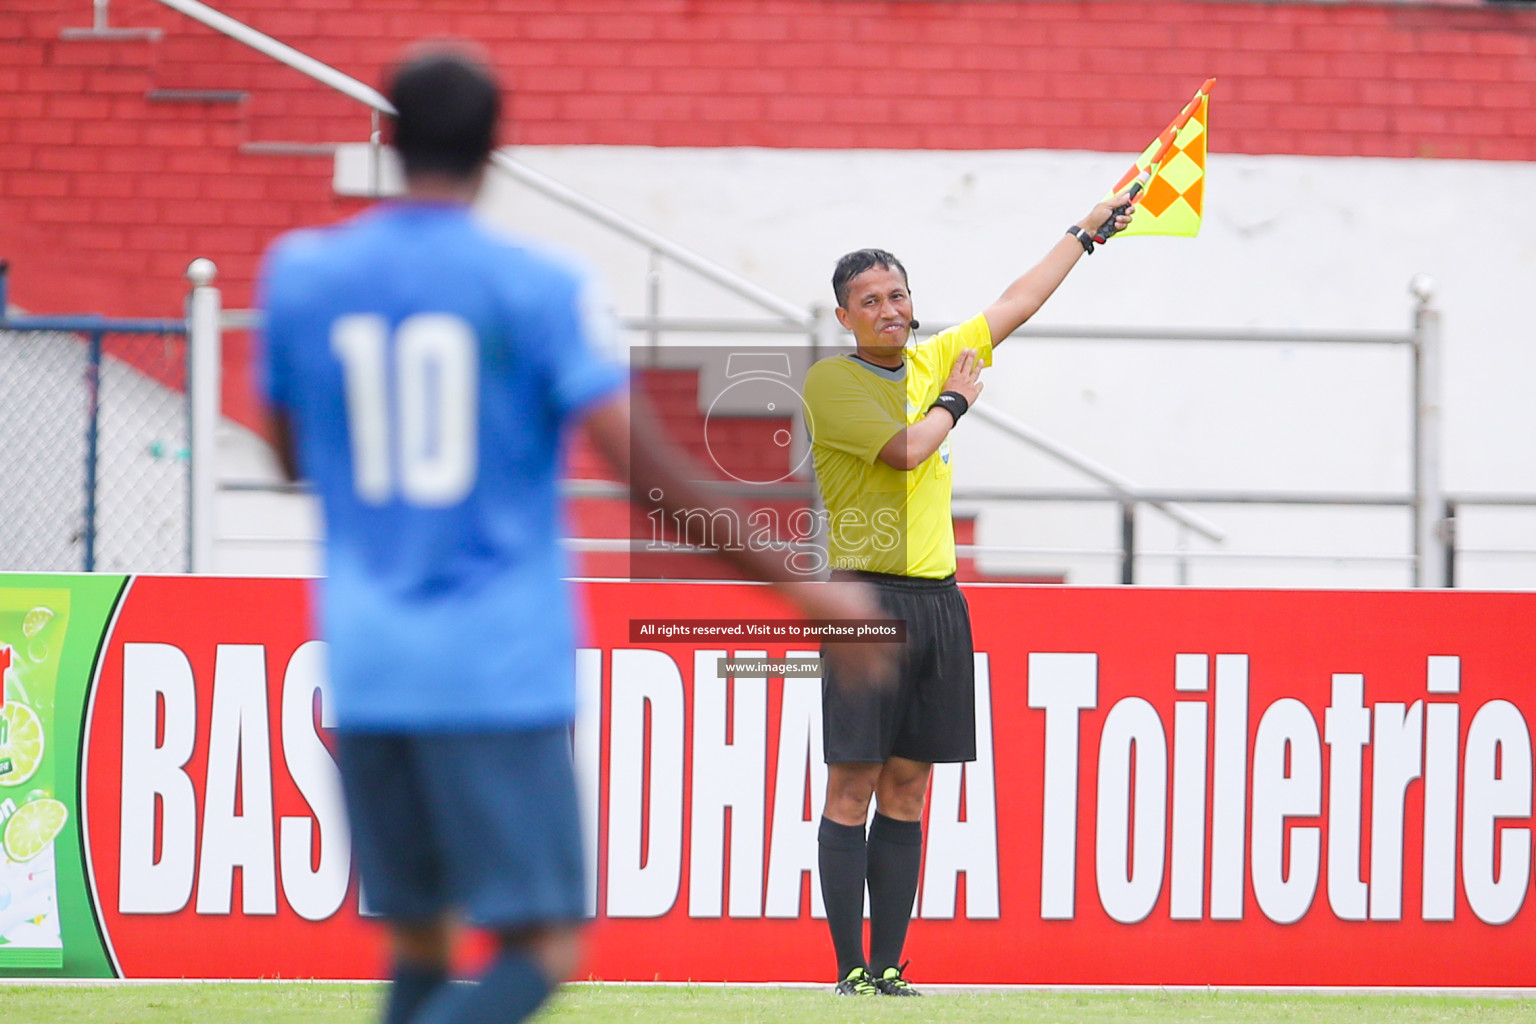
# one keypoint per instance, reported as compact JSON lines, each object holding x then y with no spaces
{"x":94,"y":448}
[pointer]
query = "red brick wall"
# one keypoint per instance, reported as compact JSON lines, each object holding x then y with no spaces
{"x":106,"y":194}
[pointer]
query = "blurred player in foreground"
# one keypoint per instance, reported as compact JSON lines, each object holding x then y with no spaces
{"x":881,"y":419}
{"x":422,"y":373}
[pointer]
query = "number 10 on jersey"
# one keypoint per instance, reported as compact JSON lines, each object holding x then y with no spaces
{"x":416,"y":441}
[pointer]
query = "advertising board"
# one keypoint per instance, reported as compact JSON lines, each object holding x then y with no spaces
{"x":1172,"y":787}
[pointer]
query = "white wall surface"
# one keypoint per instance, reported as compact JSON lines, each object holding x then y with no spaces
{"x":1288,"y":242}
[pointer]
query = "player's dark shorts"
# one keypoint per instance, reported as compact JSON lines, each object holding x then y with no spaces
{"x":485,"y":823}
{"x":928,"y":713}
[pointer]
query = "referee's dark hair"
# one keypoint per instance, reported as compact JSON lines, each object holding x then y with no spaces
{"x":447,"y":105}
{"x":855,"y":263}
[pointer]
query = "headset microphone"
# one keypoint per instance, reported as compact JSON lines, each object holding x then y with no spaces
{"x":913,"y":324}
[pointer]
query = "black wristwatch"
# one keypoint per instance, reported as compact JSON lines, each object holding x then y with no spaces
{"x":1082,"y":236}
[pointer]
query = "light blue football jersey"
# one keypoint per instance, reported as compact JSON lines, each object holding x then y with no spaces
{"x":428,"y":367}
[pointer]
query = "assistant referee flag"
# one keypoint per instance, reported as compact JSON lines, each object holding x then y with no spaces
{"x":1174,"y":196}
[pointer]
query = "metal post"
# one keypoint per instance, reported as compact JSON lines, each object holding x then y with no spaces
{"x":92,"y":414}
{"x":375,"y":155}
{"x":5,"y":269}
{"x":824,"y":331}
{"x":653,"y":303}
{"x":1428,"y":501}
{"x":1448,"y":531}
{"x":1127,"y":542}
{"x":204,"y":351}
{"x":1182,"y":546}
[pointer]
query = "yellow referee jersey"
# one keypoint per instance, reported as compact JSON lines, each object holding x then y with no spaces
{"x":882,"y":519}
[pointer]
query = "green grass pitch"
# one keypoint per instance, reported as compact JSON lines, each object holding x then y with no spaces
{"x":295,"y":1002}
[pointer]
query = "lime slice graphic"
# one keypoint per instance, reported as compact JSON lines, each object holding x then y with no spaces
{"x":21,"y":743}
{"x":35,"y":621}
{"x":32,"y":828}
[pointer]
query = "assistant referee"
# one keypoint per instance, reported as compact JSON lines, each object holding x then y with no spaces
{"x":879,"y":421}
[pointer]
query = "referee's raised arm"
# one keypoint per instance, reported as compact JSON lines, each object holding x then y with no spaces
{"x":1024,"y":297}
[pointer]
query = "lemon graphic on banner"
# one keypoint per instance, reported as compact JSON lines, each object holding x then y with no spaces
{"x":1173,"y":197}
{"x":34,"y":825}
{"x":36,"y":621}
{"x":21,"y":743}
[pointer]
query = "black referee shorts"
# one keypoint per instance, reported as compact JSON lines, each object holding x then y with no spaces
{"x":929,"y":713}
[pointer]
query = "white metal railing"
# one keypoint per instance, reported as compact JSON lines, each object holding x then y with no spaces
{"x":279,"y":51}
{"x":1431,"y":565}
{"x":1119,"y":485}
{"x":681,"y":255}
{"x":539,"y":182}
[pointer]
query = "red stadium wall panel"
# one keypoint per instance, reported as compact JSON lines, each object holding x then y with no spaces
{"x":1175,"y":787}
{"x":121,"y":159}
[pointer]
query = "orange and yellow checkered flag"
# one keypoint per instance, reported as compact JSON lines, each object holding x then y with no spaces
{"x":1172,"y":173}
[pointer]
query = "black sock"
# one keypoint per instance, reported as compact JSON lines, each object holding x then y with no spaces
{"x":895,"y":858}
{"x":411,"y":986}
{"x":840,"y":853}
{"x":509,"y":990}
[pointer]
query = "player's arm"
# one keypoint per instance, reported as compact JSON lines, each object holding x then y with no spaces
{"x":629,"y":437}
{"x":912,"y":445}
{"x":1024,"y":297}
{"x":282,"y":443}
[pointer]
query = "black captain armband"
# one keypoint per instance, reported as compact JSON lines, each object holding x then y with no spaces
{"x":952,"y":402}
